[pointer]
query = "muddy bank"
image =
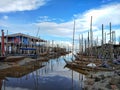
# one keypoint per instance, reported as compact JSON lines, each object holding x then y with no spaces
{"x":103,"y":81}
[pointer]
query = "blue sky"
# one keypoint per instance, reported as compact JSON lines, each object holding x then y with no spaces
{"x":54,"y":18}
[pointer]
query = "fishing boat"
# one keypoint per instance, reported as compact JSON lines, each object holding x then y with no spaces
{"x":86,"y":67}
{"x":13,"y":58}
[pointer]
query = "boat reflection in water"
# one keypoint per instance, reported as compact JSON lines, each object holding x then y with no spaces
{"x":51,"y":77}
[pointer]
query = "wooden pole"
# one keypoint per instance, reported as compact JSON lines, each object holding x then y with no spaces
{"x":82,"y":44}
{"x":110,"y":32}
{"x":73,"y":39}
{"x":102,"y":35}
{"x":88,"y":44}
{"x":91,"y":36}
{"x":7,"y":49}
{"x":111,"y":46}
{"x":85,"y":46}
{"x":105,"y":37}
{"x":2,"y":43}
{"x":91,"y":33}
{"x":79,"y":44}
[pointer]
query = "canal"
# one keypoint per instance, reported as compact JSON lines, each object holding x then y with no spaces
{"x":53,"y":76}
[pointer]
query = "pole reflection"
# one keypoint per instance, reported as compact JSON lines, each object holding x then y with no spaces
{"x":51,"y":77}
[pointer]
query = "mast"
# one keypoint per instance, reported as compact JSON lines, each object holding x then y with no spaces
{"x":111,"y":45}
{"x":82,"y":44}
{"x":91,"y":36}
{"x":73,"y":39}
{"x":82,"y":47}
{"x":79,"y":44}
{"x":88,"y":45}
{"x":91,"y":33}
{"x":7,"y":43}
{"x":102,"y":35}
{"x":110,"y":32}
{"x":105,"y":37}
{"x":85,"y":46}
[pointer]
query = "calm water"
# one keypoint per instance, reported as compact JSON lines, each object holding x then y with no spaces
{"x":51,"y":77}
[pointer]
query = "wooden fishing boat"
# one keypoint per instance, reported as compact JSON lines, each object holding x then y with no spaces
{"x":83,"y":66}
{"x":14,"y":58}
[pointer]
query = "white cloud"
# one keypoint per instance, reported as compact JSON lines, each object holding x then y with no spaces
{"x":20,"y":5}
{"x":62,"y":29}
{"x":5,"y":17}
{"x":102,"y":15}
{"x":45,"y":19}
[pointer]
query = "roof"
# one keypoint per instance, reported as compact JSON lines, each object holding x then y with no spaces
{"x":25,"y":35}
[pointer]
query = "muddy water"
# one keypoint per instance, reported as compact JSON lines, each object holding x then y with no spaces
{"x":51,"y":77}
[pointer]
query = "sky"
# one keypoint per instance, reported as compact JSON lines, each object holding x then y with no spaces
{"x":54,"y":19}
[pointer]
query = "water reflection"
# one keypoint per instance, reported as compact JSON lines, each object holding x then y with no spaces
{"x":51,"y":77}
